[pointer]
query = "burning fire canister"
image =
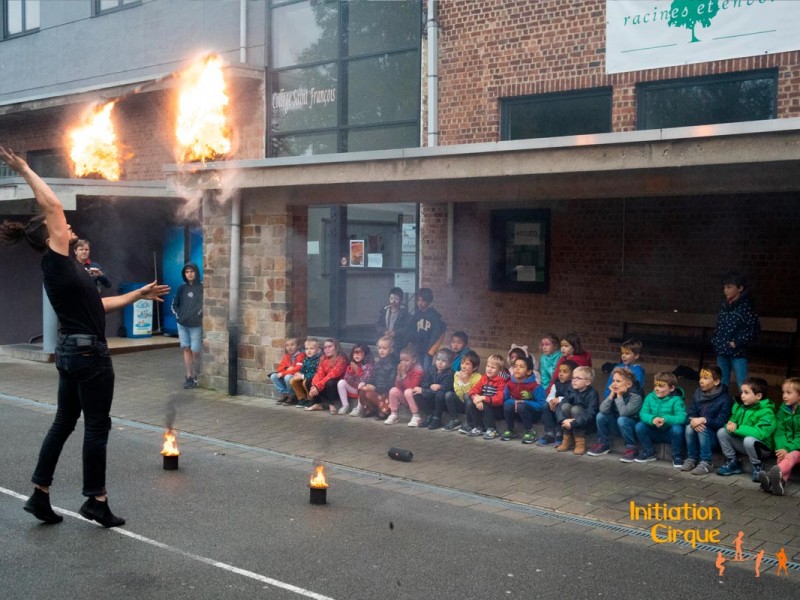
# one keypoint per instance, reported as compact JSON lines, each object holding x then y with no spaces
{"x":318,"y":487}
{"x":170,"y":451}
{"x":170,"y":463}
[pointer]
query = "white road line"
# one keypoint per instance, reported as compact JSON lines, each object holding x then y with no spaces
{"x":208,"y":561}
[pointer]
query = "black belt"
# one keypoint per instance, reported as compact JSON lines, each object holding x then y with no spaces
{"x":80,"y":340}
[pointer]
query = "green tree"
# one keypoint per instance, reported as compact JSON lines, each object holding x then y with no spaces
{"x":688,"y":13}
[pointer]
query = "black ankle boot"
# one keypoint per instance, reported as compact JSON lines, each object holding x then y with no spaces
{"x":39,"y":506}
{"x":94,"y":510}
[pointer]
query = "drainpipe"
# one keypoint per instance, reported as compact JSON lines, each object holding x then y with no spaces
{"x":243,"y":31}
{"x":233,"y":295}
{"x":433,"y":114}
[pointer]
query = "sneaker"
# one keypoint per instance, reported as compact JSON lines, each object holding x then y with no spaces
{"x":689,"y":464}
{"x":452,"y":425}
{"x":677,"y":463}
{"x":732,"y":467}
{"x":643,"y":457}
{"x":391,"y":419}
{"x":508,"y":434}
{"x":475,"y":432}
{"x":702,"y":468}
{"x":303,"y":404}
{"x":766,"y":484}
{"x":490,"y":434}
{"x":425,"y":422}
{"x":629,"y":455}
{"x":546,"y":440}
{"x":189,"y":383}
{"x":415,"y":421}
{"x":776,"y":480}
{"x":283,"y":400}
{"x":356,"y":412}
{"x":39,"y":506}
{"x":94,"y":510}
{"x":435,"y":423}
{"x":756,"y":472}
{"x":465,"y":429}
{"x":344,"y":409}
{"x":599,"y":449}
{"x":528,"y":437}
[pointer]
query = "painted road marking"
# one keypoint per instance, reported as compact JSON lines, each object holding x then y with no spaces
{"x":196,"y":557}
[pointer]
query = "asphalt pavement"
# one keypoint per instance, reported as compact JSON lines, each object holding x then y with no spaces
{"x":242,"y":483}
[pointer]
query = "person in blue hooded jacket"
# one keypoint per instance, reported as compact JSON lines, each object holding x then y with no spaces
{"x":188,"y":308}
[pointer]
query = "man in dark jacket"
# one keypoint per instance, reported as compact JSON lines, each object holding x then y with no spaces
{"x":188,"y":308}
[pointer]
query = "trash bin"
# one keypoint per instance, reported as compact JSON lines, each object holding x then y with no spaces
{"x":137,"y":318}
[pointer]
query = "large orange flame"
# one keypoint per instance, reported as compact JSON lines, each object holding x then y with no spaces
{"x":318,"y":480}
{"x":202,"y":129}
{"x":170,"y":444}
{"x":93,"y":146}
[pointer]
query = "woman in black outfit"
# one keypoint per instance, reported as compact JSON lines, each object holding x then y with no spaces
{"x":86,"y":376}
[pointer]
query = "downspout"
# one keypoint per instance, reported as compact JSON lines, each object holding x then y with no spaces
{"x":233,"y":296}
{"x":236,"y":218}
{"x":433,"y":114}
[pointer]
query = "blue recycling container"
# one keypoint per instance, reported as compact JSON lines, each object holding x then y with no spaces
{"x":137,"y":318}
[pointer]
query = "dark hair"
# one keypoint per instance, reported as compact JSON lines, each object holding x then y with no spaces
{"x":35,"y":233}
{"x":716,"y":372}
{"x":473,"y":359}
{"x":573,"y":340}
{"x":571,"y":364}
{"x":526,"y":359}
{"x":367,"y":360}
{"x":337,"y":346}
{"x":396,"y":291}
{"x":517,"y":353}
{"x":409,"y":351}
{"x":461,"y":335}
{"x":425,"y":294}
{"x":553,"y":338}
{"x":633,"y":345}
{"x":758,"y":385}
{"x":734,"y":278}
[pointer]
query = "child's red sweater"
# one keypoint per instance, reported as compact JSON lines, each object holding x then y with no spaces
{"x":493,"y":389}
{"x":291,"y":363}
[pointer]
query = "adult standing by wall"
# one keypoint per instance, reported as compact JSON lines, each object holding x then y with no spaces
{"x":188,"y":308}
{"x":737,"y":327}
{"x":86,"y":375}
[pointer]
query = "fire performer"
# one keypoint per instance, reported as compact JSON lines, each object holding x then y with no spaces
{"x":86,"y":376}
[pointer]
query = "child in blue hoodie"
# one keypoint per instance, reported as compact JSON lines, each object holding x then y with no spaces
{"x":523,"y":398}
{"x":709,"y":411}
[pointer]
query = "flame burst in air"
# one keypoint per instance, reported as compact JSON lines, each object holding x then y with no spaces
{"x":318,"y":480}
{"x":93,"y":146}
{"x":202,"y":128}
{"x":170,"y":444}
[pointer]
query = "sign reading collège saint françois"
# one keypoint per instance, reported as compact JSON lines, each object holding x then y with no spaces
{"x":664,"y":33}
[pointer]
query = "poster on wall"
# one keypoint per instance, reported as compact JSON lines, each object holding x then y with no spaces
{"x":665,"y":33}
{"x":356,"y":253}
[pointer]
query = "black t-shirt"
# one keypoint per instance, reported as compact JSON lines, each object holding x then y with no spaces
{"x":73,"y":295}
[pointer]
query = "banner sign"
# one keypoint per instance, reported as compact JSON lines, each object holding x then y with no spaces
{"x":664,"y":33}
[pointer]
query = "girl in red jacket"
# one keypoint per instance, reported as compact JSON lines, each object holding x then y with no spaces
{"x":331,"y":369}
{"x":409,"y":376}
{"x":571,"y":349}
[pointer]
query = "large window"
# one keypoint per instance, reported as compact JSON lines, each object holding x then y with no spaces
{"x":344,"y":76}
{"x":729,"y":98}
{"x":356,"y":254}
{"x":20,"y":16}
{"x":549,"y":115}
{"x":102,"y":7}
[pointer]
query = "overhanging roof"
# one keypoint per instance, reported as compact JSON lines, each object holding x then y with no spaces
{"x":758,"y":156}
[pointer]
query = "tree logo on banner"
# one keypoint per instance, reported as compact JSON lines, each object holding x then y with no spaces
{"x":688,"y":13}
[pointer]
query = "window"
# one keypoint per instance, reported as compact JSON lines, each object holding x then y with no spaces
{"x":20,"y":17}
{"x":102,"y":7}
{"x":519,"y":253}
{"x":549,"y":115}
{"x":346,"y":72}
{"x":729,"y":98}
{"x":49,"y":163}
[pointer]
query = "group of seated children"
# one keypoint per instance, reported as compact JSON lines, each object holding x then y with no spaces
{"x":560,"y":395}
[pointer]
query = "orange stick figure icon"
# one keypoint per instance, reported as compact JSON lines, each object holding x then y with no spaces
{"x":720,"y":564}
{"x":738,"y":556}
{"x":759,"y":557}
{"x":782,"y":562}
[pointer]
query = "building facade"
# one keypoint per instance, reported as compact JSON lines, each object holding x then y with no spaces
{"x":586,"y":170}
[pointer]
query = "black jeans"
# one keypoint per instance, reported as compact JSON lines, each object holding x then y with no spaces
{"x":85,"y":384}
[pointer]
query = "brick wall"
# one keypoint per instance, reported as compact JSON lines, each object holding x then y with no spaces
{"x":612,"y":256}
{"x":491,"y":50}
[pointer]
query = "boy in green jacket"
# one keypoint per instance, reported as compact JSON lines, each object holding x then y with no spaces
{"x":786,"y":440}
{"x":749,"y":429}
{"x":662,"y":419}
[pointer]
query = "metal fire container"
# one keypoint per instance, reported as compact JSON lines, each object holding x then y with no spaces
{"x":318,"y":495}
{"x":171,"y":463}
